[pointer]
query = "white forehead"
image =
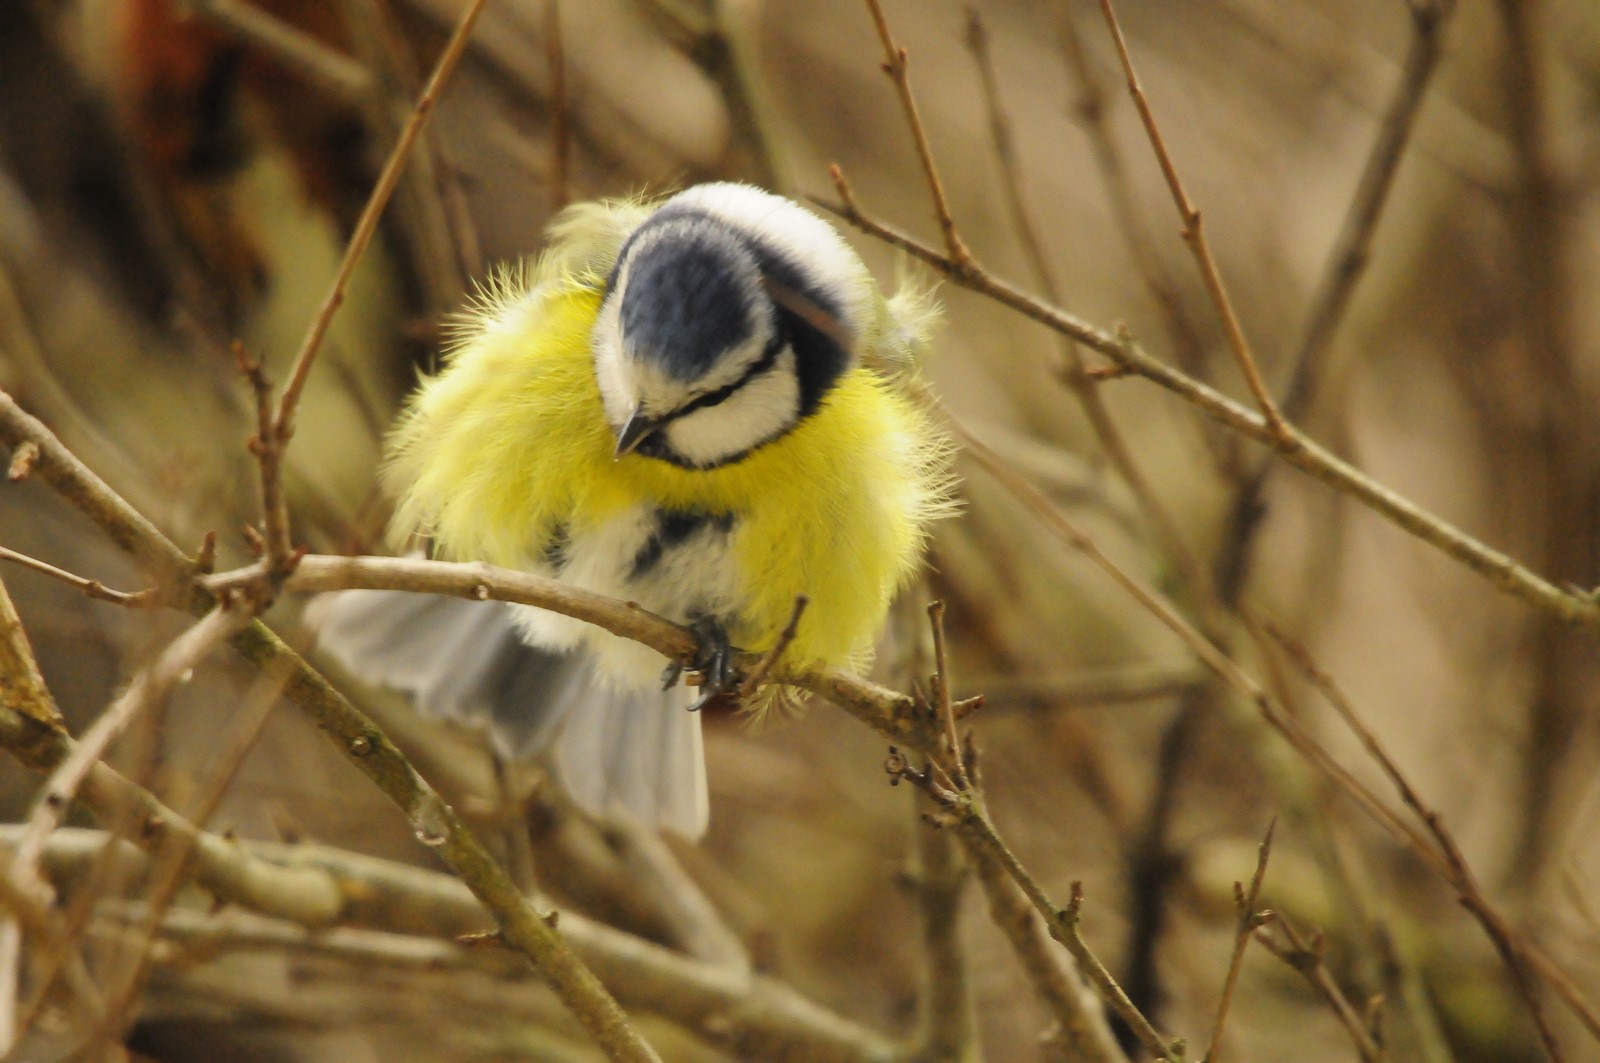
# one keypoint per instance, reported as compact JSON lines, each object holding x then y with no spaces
{"x":791,"y":231}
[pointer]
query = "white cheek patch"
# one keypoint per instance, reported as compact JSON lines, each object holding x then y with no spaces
{"x":759,"y":411}
{"x":616,"y":391}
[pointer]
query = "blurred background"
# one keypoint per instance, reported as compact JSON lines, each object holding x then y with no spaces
{"x":176,"y":175}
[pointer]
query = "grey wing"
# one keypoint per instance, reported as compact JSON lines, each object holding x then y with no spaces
{"x":457,"y":659}
{"x":637,"y":750}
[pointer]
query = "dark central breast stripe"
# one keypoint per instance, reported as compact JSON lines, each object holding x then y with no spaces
{"x":674,"y":527}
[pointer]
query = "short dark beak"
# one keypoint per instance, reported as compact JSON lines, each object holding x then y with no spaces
{"x":634,"y":432}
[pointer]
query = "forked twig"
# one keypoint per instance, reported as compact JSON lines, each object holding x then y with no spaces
{"x":1292,"y":446}
{"x":941,"y":695}
{"x":896,"y":65}
{"x":267,"y":446}
{"x":1194,"y":235}
{"x":1306,"y":957}
{"x":367,"y":224}
{"x":963,"y":810}
{"x":1250,"y":919}
{"x":1079,"y":379}
{"x":763,"y":668}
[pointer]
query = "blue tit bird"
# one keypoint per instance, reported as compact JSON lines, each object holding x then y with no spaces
{"x":681,"y":403}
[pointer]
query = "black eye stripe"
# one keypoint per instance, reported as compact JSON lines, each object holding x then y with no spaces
{"x":769,"y":358}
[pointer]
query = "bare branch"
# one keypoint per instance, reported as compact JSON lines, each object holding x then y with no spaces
{"x":758,"y":675}
{"x":891,"y":713}
{"x":267,"y":445}
{"x":937,"y":879}
{"x":91,"y":588}
{"x":367,"y":225}
{"x":402,"y":912}
{"x":1291,"y":445}
{"x":1249,"y":921}
{"x":1347,"y":262}
{"x":1076,"y":375}
{"x":1194,"y":235}
{"x":896,"y":65}
{"x":1081,"y":1023}
{"x":150,"y":686}
{"x":1516,"y":951}
{"x":1306,"y":958}
{"x":941,"y":694}
{"x":22,"y":688}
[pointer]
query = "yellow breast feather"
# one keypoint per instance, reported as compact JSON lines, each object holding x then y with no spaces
{"x":517,"y":446}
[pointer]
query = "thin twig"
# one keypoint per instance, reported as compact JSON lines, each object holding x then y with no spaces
{"x":1347,"y":262}
{"x":1084,"y":688}
{"x":963,"y":810}
{"x":91,"y":588}
{"x":698,"y":929}
{"x":433,"y":244}
{"x":26,"y":898}
{"x":22,"y":689}
{"x":758,"y":674}
{"x":1249,"y":920}
{"x":941,"y":694}
{"x":1514,"y":950}
{"x":149,"y":687}
{"x":938,"y":875}
{"x":1552,"y":449}
{"x":331,"y":70}
{"x":1092,"y":110}
{"x":1306,"y":958}
{"x":1291,"y":445}
{"x":1194,"y":235}
{"x":896,"y":65}
{"x":367,"y":225}
{"x":1080,"y":1017}
{"x":267,"y":446}
{"x":1062,"y":923}
{"x":1076,"y":375}
{"x":69,"y":477}
{"x":169,"y":871}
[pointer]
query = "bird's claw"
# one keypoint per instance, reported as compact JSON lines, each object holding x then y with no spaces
{"x":713,"y":660}
{"x":671,"y":674}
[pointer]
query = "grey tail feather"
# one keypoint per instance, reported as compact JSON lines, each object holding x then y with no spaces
{"x":637,"y":750}
{"x":640,"y":751}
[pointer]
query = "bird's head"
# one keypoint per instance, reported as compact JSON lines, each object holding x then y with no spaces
{"x":718,"y":333}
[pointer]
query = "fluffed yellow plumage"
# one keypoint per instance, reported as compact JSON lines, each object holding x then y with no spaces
{"x":510,"y":446}
{"x":698,"y":404}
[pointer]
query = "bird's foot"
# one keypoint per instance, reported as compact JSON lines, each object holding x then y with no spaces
{"x":712,"y":662}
